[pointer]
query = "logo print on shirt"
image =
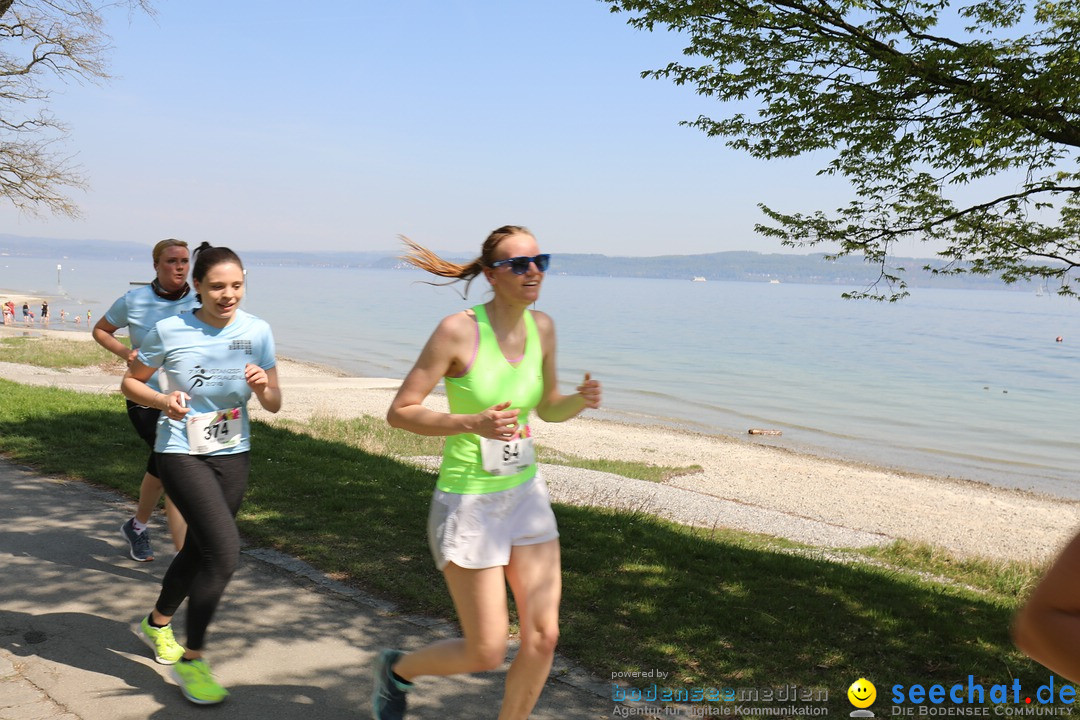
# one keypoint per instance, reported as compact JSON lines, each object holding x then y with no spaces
{"x":198,"y":378}
{"x":244,"y":345}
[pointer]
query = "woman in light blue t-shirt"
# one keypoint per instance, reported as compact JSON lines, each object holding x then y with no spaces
{"x":211,"y":362}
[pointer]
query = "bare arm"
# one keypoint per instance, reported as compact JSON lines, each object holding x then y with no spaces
{"x":105,"y":334}
{"x":554,"y":406}
{"x":264,"y":383}
{"x":442,"y":356}
{"x":136,"y":390}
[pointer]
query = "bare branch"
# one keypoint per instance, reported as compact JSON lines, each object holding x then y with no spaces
{"x":45,"y":41}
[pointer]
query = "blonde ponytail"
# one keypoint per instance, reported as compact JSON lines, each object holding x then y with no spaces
{"x":420,"y":257}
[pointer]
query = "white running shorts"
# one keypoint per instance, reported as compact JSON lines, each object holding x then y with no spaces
{"x":477,"y":531}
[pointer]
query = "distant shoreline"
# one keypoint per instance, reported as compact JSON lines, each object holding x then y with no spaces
{"x":67,"y":327}
{"x":728,"y":266}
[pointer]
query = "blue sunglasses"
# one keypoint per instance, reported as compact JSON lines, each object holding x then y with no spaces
{"x":520,"y":265}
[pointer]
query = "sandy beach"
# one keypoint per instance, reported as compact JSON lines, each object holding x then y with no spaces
{"x":744,"y":485}
{"x":34,"y":301}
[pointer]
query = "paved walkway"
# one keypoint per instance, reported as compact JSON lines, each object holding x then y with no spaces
{"x":287,"y":642}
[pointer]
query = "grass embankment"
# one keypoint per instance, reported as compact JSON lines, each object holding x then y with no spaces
{"x":713,"y":608}
{"x":58,"y":353}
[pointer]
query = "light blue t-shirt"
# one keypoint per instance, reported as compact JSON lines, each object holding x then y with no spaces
{"x":140,"y":309}
{"x":208,"y":364}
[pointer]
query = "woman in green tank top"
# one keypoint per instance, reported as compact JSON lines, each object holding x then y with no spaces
{"x":491,"y":522}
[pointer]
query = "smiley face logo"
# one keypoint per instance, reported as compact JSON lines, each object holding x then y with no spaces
{"x":862,"y":693}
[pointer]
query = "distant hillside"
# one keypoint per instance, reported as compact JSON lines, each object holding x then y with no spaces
{"x":748,"y":266}
{"x":21,"y":246}
{"x":83,"y":249}
{"x":745,"y":266}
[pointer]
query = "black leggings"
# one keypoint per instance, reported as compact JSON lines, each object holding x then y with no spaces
{"x":145,"y":421}
{"x":208,"y":490}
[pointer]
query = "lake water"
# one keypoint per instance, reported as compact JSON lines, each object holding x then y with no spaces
{"x":963,"y":383}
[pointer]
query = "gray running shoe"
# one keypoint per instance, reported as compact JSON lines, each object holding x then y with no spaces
{"x":139,"y":542}
{"x":387,"y":695}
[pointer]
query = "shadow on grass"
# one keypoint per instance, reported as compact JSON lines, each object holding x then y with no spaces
{"x":712,"y":610}
{"x":640,"y":594}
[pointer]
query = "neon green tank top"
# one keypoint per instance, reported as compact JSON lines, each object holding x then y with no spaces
{"x":490,"y":380}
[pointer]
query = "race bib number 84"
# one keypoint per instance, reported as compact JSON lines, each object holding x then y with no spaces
{"x":507,"y":457}
{"x":212,"y":431}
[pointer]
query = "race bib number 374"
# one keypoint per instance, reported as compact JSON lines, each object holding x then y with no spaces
{"x":213,"y":431}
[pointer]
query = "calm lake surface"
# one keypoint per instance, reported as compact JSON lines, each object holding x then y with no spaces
{"x":963,"y":383}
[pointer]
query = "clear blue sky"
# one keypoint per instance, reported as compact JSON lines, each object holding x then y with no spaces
{"x":337,"y":125}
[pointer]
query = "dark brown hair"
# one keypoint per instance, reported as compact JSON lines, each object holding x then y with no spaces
{"x":207,"y":256}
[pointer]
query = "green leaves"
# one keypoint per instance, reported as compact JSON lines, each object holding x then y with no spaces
{"x":920,"y":103}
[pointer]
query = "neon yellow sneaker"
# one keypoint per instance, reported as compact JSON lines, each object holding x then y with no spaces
{"x":161,"y":641}
{"x":197,"y":683}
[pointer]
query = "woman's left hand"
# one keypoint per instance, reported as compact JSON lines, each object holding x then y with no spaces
{"x":256,"y":377}
{"x":589,"y":390}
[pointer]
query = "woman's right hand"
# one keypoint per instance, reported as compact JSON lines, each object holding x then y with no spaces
{"x":497,"y":423}
{"x":176,"y":405}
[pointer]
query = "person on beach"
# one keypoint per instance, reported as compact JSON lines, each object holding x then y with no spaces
{"x":139,"y":310}
{"x":490,"y":521}
{"x":26,"y":313}
{"x":212,"y":360}
{"x":44,"y":312}
{"x":1047,"y":627}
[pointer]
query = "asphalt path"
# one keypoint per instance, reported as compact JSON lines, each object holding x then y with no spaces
{"x":288,"y":642}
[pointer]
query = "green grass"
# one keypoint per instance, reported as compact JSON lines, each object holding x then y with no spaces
{"x":1007,"y":579}
{"x":637,"y":470}
{"x":58,"y":353}
{"x":375,"y":436}
{"x":713,"y":608}
{"x":370,"y":434}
